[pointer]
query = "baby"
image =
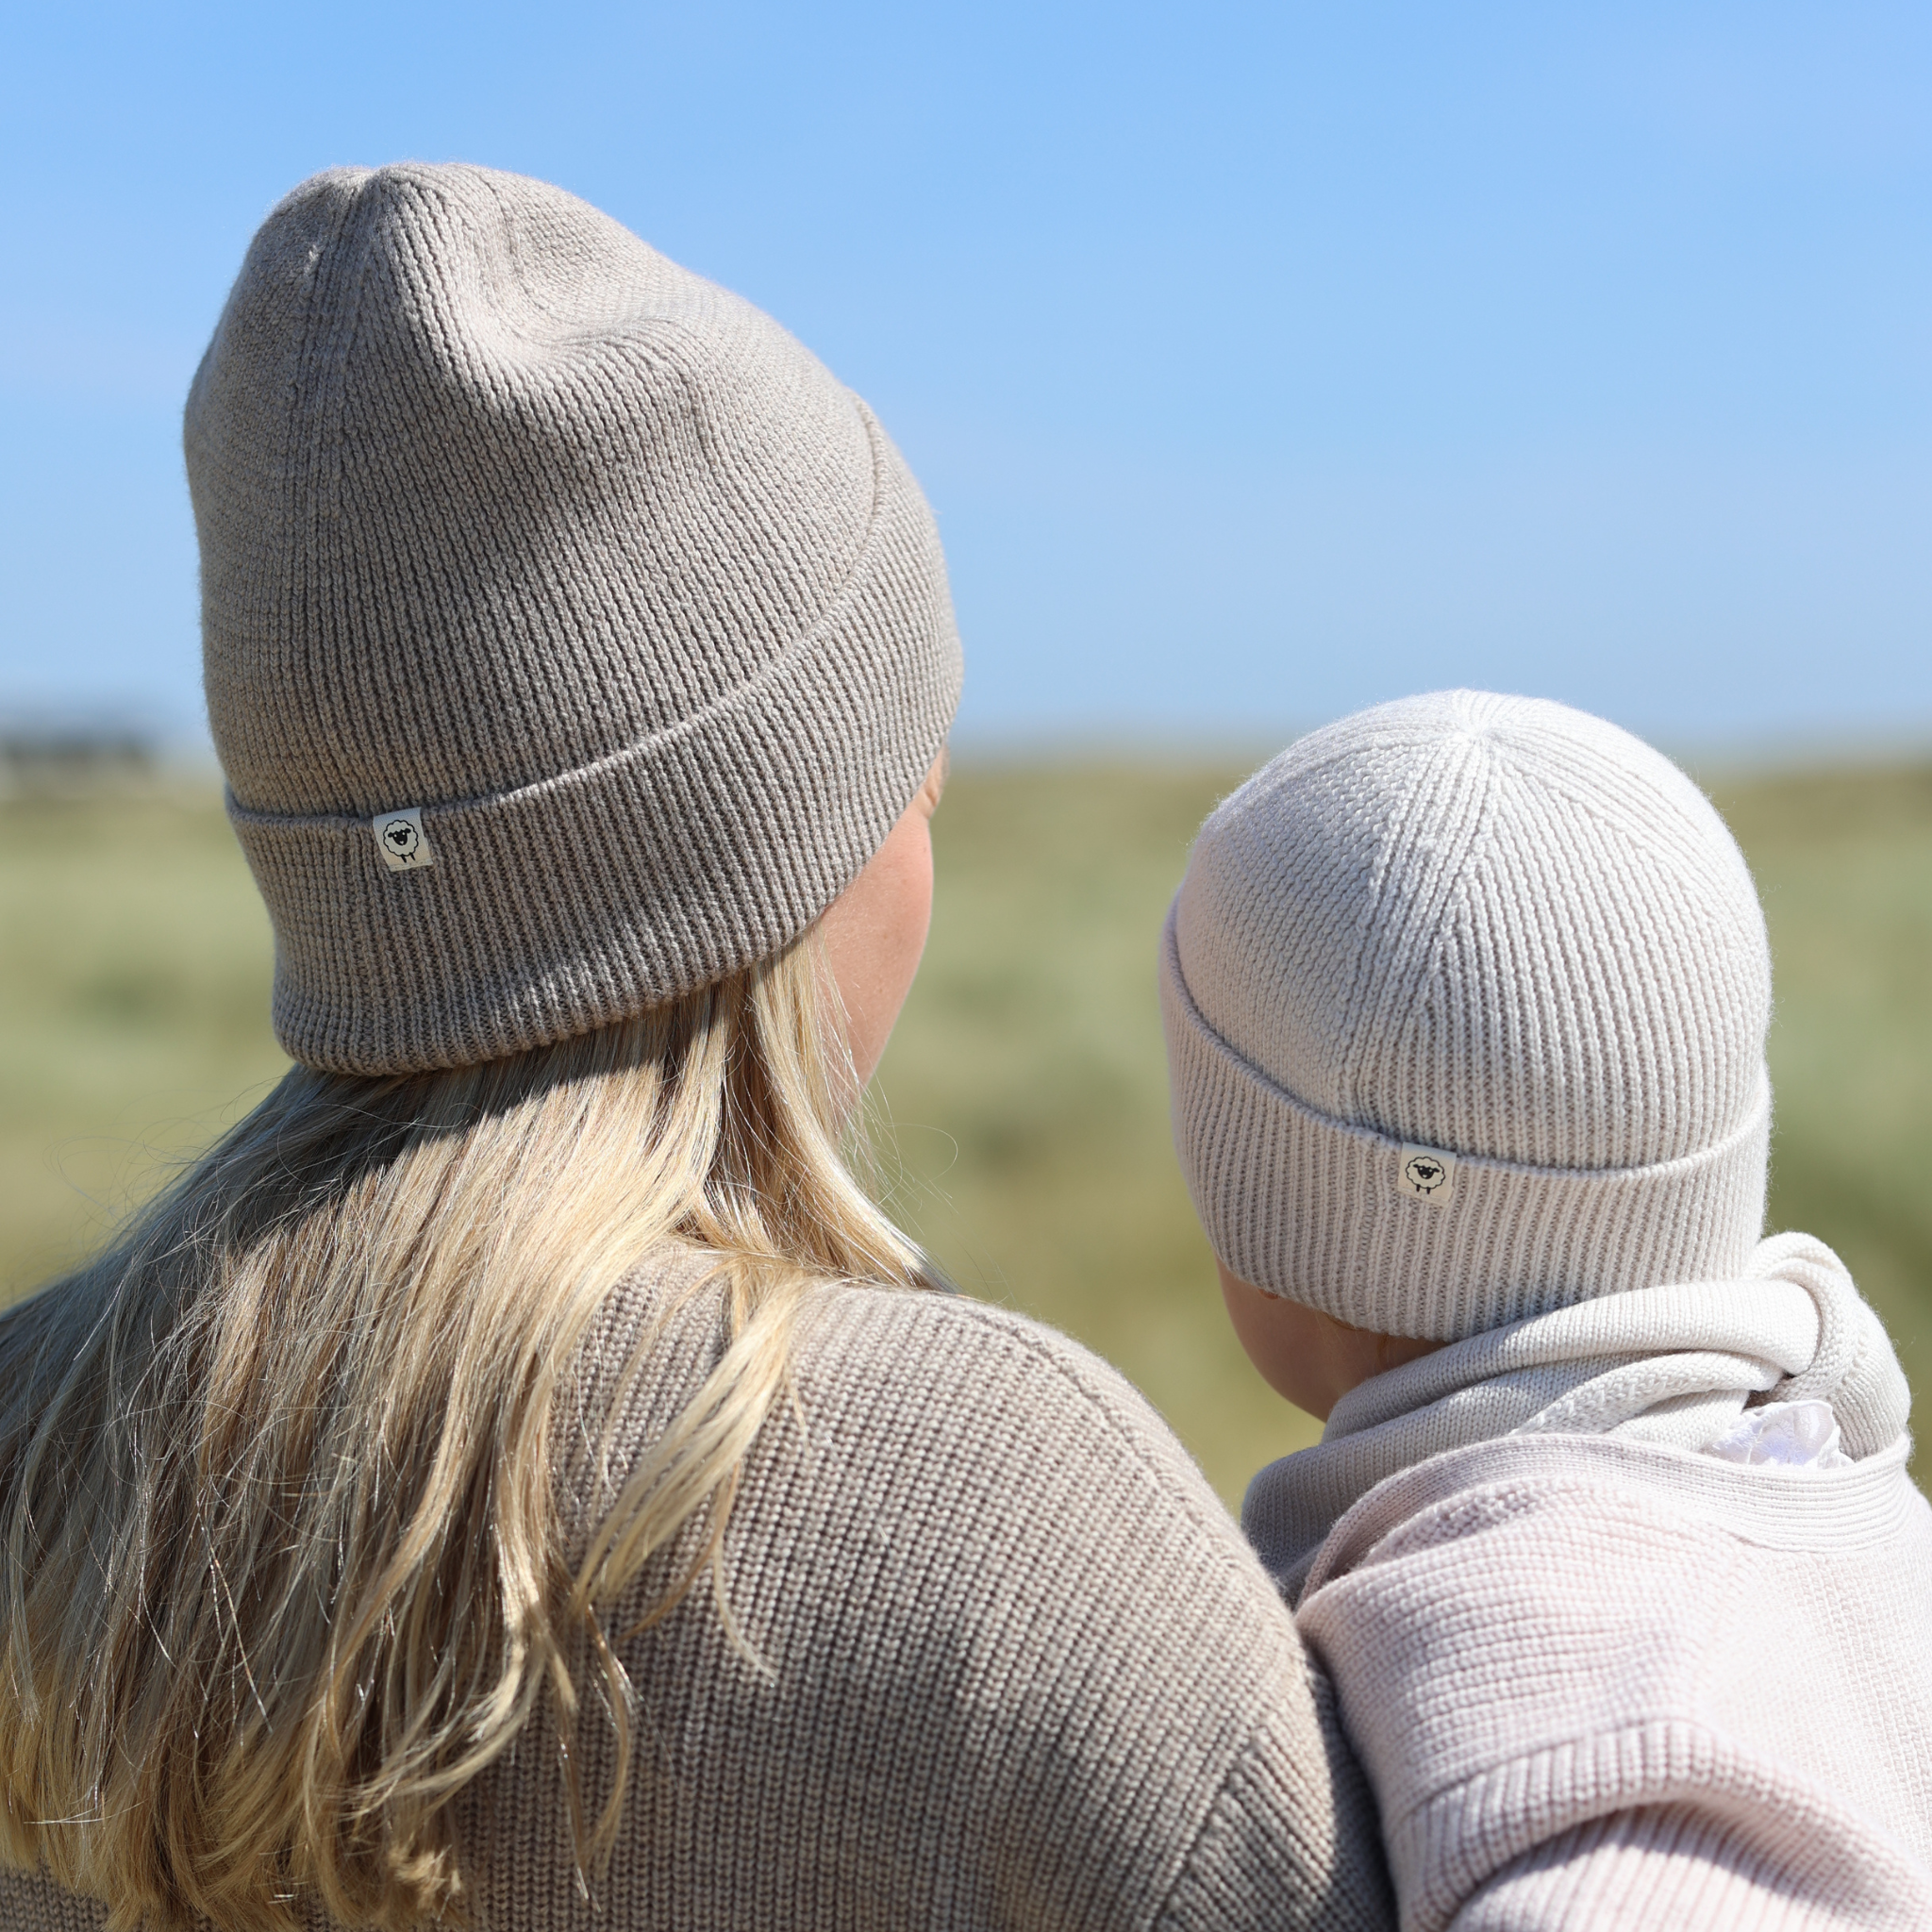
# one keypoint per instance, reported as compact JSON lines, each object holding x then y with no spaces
{"x":1466,"y":1000}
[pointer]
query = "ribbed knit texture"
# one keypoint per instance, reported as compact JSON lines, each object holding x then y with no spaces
{"x":1487,"y":927}
{"x":1676,"y":1363}
{"x":1597,"y":1682}
{"x":507,"y":520}
{"x":1022,"y":1670}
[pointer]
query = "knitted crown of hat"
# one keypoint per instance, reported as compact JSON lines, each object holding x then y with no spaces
{"x":1466,"y":1000}
{"x":571,"y":638}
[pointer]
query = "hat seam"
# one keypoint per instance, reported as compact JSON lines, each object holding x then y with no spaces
{"x":1368,"y":1002}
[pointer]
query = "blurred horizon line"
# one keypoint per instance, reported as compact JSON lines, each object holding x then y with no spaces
{"x":123,"y":733}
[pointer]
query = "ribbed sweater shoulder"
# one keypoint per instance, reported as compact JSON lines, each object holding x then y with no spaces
{"x":1008,"y":1662}
{"x":1014,"y":1663}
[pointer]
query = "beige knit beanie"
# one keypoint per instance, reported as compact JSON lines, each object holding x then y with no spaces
{"x":571,"y":638}
{"x":1466,"y":1000}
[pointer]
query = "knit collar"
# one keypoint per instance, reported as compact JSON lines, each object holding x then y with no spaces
{"x":1675,"y":1364}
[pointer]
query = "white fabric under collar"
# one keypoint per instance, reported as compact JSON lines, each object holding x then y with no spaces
{"x":1675,"y":1364}
{"x":1785,"y":1435}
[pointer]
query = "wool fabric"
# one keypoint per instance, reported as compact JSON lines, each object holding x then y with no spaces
{"x":1676,"y":1363}
{"x":1597,"y":1681}
{"x":571,"y":638}
{"x":1011,"y":1664}
{"x":1466,"y":998}
{"x":1603,"y":1660}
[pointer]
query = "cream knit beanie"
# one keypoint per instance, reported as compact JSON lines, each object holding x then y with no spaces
{"x":571,"y":638}
{"x":1466,"y":1000}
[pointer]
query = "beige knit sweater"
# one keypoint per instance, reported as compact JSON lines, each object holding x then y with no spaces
{"x":1024,"y":1671}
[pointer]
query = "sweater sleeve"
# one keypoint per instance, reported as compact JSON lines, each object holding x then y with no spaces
{"x":1677,"y":1865}
{"x":1262,"y":1817}
{"x":1585,"y":1701}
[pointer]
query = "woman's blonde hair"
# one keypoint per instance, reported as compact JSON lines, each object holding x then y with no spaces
{"x":285,"y":1563}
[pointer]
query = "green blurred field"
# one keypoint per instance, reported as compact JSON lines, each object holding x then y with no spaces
{"x":1025,"y":1093}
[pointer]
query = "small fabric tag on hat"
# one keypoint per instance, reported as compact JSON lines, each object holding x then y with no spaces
{"x":402,"y":841}
{"x":1426,"y":1172}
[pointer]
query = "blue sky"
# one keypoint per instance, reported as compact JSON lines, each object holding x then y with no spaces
{"x":1260,"y":361}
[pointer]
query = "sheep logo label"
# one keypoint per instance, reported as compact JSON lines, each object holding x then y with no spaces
{"x":402,"y":841}
{"x":1428,"y":1174}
